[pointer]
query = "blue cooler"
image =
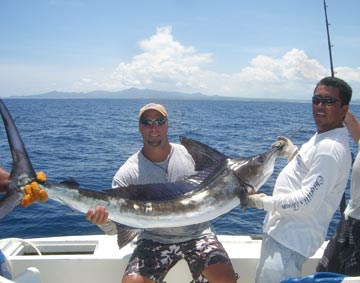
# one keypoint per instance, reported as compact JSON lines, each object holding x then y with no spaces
{"x":323,"y":277}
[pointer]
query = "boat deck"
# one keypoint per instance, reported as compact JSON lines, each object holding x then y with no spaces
{"x":96,"y":258}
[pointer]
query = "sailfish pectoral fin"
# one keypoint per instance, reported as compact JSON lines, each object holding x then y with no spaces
{"x":125,"y":234}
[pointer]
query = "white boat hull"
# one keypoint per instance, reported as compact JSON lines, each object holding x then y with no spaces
{"x":96,"y":258}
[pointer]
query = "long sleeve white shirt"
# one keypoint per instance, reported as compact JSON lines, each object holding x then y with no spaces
{"x":308,"y":191}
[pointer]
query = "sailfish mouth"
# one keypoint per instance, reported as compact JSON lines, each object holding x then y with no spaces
{"x":278,"y":145}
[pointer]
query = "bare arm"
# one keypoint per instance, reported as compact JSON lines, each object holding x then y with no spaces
{"x":353,"y":126}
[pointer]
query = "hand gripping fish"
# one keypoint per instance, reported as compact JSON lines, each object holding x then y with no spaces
{"x":221,"y":184}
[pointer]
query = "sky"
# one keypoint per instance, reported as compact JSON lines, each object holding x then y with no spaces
{"x":250,"y":49}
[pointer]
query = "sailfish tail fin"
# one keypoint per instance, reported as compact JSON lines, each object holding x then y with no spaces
{"x":22,"y":171}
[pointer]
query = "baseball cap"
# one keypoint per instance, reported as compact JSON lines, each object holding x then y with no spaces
{"x":153,"y":106}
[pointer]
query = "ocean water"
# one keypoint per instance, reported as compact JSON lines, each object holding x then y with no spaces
{"x":89,"y":139}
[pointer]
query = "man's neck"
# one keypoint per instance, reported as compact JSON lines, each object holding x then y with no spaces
{"x":321,"y":131}
{"x":157,"y":154}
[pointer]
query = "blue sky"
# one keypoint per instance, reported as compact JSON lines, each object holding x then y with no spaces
{"x":251,"y":49}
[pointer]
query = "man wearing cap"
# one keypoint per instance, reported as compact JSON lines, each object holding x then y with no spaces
{"x":160,"y":161}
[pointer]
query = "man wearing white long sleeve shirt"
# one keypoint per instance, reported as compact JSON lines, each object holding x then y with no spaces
{"x":308,"y":190}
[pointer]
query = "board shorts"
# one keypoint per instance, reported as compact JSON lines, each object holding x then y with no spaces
{"x":342,"y":254}
{"x":154,"y":260}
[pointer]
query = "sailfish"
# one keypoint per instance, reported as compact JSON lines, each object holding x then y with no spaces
{"x":220,"y":184}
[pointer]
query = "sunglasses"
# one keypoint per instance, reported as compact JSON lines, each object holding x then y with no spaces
{"x":156,"y":122}
{"x":326,"y":101}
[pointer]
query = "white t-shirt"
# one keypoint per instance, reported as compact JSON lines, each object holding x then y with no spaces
{"x":308,"y":191}
{"x":353,"y":207}
{"x":139,"y":170}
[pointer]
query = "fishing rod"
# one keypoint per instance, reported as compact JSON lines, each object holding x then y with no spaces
{"x":328,"y":38}
{"x":293,"y":134}
{"x":343,"y":199}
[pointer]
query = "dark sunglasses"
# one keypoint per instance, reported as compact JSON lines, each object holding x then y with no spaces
{"x":150,"y":122}
{"x":326,"y":101}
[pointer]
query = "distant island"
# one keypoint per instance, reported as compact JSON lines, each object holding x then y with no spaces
{"x":131,"y":93}
{"x":136,"y":93}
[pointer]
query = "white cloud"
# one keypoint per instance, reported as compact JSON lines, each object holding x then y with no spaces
{"x":294,"y":73}
{"x":163,"y":63}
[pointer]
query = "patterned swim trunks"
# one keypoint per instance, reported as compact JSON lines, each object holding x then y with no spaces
{"x":342,"y":253}
{"x":154,"y":259}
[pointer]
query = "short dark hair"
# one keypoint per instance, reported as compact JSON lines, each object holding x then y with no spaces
{"x":345,"y":90}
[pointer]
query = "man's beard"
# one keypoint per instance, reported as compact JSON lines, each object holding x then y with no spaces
{"x":154,"y":143}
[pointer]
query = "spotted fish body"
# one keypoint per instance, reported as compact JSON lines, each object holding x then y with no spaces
{"x":221,"y":184}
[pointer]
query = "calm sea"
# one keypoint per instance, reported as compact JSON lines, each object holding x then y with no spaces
{"x":89,"y":139}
